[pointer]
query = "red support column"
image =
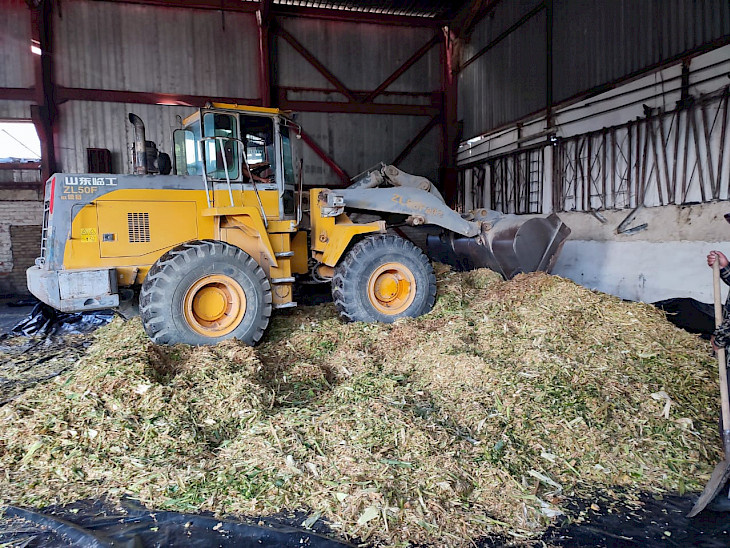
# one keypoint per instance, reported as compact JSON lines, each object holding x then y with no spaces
{"x":263,"y":18}
{"x":44,"y":112}
{"x":448,"y":174}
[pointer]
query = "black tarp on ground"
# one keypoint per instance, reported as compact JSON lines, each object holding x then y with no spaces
{"x":46,"y":321}
{"x":97,"y":524}
{"x":690,"y":315}
{"x":657,"y":522}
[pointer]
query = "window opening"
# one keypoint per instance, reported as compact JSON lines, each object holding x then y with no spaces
{"x":19,"y":142}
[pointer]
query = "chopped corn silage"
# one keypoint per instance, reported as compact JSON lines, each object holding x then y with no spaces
{"x":478,"y":418}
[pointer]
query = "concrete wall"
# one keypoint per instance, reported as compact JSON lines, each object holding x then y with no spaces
{"x":666,"y":260}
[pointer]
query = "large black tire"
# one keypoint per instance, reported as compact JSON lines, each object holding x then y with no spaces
{"x":203,"y":292}
{"x":383,"y":278}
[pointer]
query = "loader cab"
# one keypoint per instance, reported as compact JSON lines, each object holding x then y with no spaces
{"x":252,"y":149}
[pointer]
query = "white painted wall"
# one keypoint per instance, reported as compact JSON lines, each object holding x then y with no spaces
{"x":666,"y":260}
{"x":641,"y":271}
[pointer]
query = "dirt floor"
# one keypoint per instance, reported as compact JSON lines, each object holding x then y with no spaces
{"x":444,"y":447}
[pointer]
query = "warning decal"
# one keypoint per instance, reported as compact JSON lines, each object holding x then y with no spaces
{"x":88,"y":234}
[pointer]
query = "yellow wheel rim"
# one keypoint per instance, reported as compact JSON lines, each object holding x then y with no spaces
{"x":391,"y":288}
{"x":214,"y":305}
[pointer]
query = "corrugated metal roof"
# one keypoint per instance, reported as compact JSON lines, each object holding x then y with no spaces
{"x":422,"y":8}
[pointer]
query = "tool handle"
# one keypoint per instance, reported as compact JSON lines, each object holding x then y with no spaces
{"x":722,"y":364}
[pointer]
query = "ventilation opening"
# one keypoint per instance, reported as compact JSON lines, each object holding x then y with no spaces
{"x":139,"y":227}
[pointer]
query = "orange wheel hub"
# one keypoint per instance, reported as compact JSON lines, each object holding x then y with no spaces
{"x":391,"y":288}
{"x":214,"y":305}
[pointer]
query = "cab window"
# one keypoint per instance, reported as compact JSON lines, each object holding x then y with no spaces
{"x":187,"y":151}
{"x":258,"y":142}
{"x":224,"y":127}
{"x":289,"y":177}
{"x":287,"y":157}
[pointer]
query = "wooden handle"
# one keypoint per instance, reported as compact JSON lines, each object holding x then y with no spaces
{"x":721,"y":363}
{"x":716,"y":288}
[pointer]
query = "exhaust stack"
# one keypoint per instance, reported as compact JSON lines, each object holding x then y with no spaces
{"x":140,"y":145}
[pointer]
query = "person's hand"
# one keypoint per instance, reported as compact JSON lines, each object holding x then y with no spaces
{"x":712,"y":342}
{"x":718,"y":256}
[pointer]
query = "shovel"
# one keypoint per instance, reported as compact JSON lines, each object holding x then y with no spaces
{"x":722,"y":471}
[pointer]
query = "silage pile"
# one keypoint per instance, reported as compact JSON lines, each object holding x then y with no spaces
{"x":481,"y":417}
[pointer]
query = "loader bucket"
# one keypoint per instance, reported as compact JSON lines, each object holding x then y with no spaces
{"x":510,"y":247}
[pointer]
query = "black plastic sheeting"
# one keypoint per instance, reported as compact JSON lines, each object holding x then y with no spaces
{"x":690,"y":315}
{"x":46,"y":321}
{"x":99,"y":525}
{"x":659,"y":521}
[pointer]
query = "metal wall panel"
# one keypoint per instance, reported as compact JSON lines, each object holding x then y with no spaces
{"x":16,"y":59}
{"x":358,"y":142}
{"x":599,"y":41}
{"x":15,"y":109}
{"x":361,"y":56}
{"x":142,"y":48}
{"x":507,"y":82}
{"x":595,"y":43}
{"x":89,"y":124}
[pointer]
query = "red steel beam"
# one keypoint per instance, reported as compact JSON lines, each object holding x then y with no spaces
{"x":44,"y":112}
{"x":449,"y":175}
{"x":263,"y":19}
{"x":341,"y":173}
{"x":312,"y":60}
{"x":146,"y":98}
{"x":19,"y":166}
{"x":412,"y":60}
{"x":363,"y":93}
{"x":217,"y":5}
{"x":18,"y":94}
{"x":341,"y":107}
{"x":417,"y":139}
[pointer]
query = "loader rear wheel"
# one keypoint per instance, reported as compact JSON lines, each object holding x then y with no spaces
{"x":383,"y":278}
{"x":203,"y":292}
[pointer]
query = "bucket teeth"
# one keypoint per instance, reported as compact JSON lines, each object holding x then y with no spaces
{"x":510,"y":246}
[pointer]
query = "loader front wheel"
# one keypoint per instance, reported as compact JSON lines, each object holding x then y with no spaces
{"x":203,"y":292}
{"x":383,"y":278}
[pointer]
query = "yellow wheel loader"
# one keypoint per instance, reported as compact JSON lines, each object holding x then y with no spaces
{"x":214,"y":247}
